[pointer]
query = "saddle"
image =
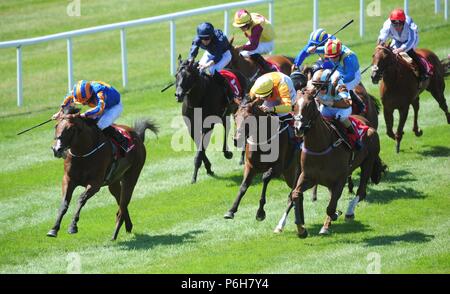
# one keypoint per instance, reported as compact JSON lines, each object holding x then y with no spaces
{"x":349,"y":138}
{"x":426,"y":64}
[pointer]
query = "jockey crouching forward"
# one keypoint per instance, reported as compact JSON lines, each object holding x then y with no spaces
{"x":347,"y":65}
{"x":260,"y":34}
{"x":335,"y":100}
{"x":315,"y":39}
{"x":105,"y":103}
{"x":404,"y":33}
{"x":217,"y":54}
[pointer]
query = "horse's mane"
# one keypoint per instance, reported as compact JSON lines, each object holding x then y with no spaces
{"x":71,"y":110}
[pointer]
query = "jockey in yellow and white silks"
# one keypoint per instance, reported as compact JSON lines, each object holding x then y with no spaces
{"x":277,"y":91}
{"x":260,"y":34}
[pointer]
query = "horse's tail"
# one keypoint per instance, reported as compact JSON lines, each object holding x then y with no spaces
{"x":379,"y":169}
{"x":446,"y":65}
{"x":376,"y":102}
{"x":141,"y":125}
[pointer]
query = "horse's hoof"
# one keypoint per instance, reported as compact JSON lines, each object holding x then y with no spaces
{"x":418,"y":133}
{"x":313,"y":199}
{"x":72,"y":230}
{"x":241,"y":162}
{"x":324,"y":231}
{"x":228,"y":154}
{"x":193,"y":181}
{"x":349,"y":217}
{"x":210,"y":173}
{"x":52,"y":233}
{"x":278,"y":230}
{"x":260,"y":216}
{"x":229,"y":215}
{"x":335,"y":216}
{"x":303,"y":235}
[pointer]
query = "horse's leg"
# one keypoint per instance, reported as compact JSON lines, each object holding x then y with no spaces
{"x":267,"y":176}
{"x":200,"y":156}
{"x":332,"y":214}
{"x":84,"y":197}
{"x":67,"y":191}
{"x":206,"y":162}
{"x":226,"y":124}
{"x":417,"y":131}
{"x":303,"y":184}
{"x":279,"y":228}
{"x":437,"y":90}
{"x":249,"y":173}
{"x":389,"y":119}
{"x":115,"y":190}
{"x":366,"y":170}
{"x":350,"y":184}
{"x":242,"y":161}
{"x":314,"y":194}
{"x":401,"y":125}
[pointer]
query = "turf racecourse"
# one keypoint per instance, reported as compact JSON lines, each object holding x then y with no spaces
{"x":178,"y":227}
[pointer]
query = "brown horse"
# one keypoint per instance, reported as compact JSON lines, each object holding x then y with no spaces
{"x":204,"y":101}
{"x":89,"y":162}
{"x":327,"y":161}
{"x":250,"y":69}
{"x":268,"y":152}
{"x":400,"y":88}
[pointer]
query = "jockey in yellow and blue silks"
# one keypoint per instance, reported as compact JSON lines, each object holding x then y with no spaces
{"x":315,"y":39}
{"x":260,"y":34}
{"x":217,"y":52}
{"x":334,"y":98}
{"x":105,"y":104}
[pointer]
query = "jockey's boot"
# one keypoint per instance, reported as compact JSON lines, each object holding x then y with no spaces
{"x":422,"y":70}
{"x":118,"y":137}
{"x":358,"y":143}
{"x":223,"y":83}
{"x":266,"y":66}
{"x":357,"y":101}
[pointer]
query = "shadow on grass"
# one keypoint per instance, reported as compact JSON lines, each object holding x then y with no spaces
{"x":435,"y":151}
{"x":410,"y":237}
{"x":391,"y":194}
{"x":341,"y":227}
{"x":400,"y":176}
{"x":145,"y":241}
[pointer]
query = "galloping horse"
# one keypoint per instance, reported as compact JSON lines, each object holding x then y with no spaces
{"x":250,"y":69}
{"x":399,"y":88}
{"x":327,"y":161}
{"x":249,"y":120}
{"x":199,"y":93}
{"x":89,"y":162}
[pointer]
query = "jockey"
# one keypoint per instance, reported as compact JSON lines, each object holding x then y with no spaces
{"x":347,"y":65}
{"x":260,"y":34}
{"x":404,"y":33}
{"x":105,"y":103}
{"x":335,"y":100}
{"x":277,"y":91}
{"x":315,"y":39}
{"x":217,"y":54}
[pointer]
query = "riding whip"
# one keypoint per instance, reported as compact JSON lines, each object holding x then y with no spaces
{"x":168,"y":86}
{"x":49,"y":120}
{"x":329,"y":36}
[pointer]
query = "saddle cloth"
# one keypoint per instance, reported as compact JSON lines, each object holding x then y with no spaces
{"x":233,"y":82}
{"x":427,"y":65}
{"x":118,"y":154}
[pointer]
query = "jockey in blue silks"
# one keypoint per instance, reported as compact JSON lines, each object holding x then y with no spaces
{"x":315,"y":39}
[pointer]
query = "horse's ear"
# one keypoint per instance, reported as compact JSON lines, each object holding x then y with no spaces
{"x":179,"y":59}
{"x":231,"y":41}
{"x":191,"y":62}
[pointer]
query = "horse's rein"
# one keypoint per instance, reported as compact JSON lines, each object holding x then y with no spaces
{"x":89,"y":153}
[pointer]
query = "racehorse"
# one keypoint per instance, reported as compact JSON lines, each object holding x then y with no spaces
{"x":89,"y":162}
{"x":259,"y":150}
{"x":204,"y":98}
{"x":327,"y":160}
{"x":250,"y":69}
{"x":400,"y":88}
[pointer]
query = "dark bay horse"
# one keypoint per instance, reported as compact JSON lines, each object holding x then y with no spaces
{"x":250,"y":69}
{"x":267,"y":151}
{"x":204,"y":102}
{"x":400,"y":88}
{"x":327,"y":161}
{"x":89,"y":163}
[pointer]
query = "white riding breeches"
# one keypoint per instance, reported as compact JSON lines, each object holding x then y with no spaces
{"x":109,"y":116}
{"x":226,"y":58}
{"x":263,"y":48}
{"x":337,"y":113}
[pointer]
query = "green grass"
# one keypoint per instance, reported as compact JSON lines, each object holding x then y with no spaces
{"x":178,"y":227}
